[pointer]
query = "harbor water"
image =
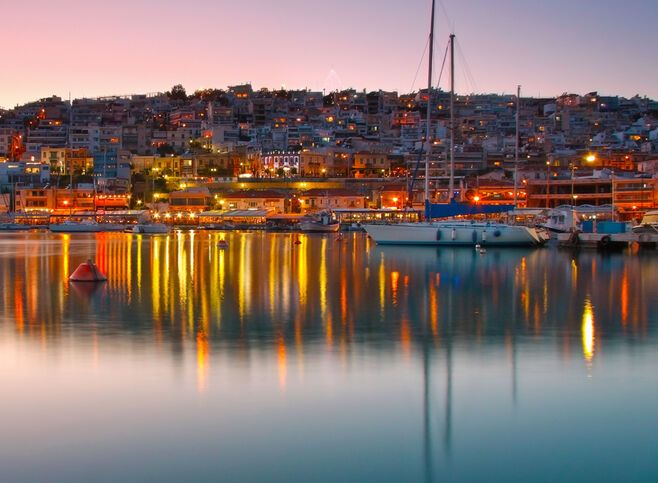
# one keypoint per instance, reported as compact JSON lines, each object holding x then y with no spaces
{"x":325,"y":360}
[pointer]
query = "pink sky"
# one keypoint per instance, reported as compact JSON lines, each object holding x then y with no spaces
{"x":123,"y":47}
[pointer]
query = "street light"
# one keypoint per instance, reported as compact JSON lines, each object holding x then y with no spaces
{"x":548,"y":165}
{"x":573,"y":175}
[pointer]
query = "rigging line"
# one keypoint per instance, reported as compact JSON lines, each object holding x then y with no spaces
{"x":445,"y":14}
{"x":468,"y":68}
{"x":427,"y":43}
{"x":445,"y":56}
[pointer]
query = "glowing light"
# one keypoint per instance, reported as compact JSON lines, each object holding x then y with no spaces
{"x":588,"y":331}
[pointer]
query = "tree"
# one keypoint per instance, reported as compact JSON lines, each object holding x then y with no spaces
{"x":177,"y":93}
{"x":165,"y":149}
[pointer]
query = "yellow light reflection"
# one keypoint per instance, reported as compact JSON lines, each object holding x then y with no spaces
{"x":155,"y":278}
{"x":624,"y":298}
{"x":302,"y":274}
{"x":201,"y":361}
{"x":282,"y":362}
{"x":395,"y":278}
{"x":588,"y":331}
{"x":574,"y":273}
{"x":139,"y":265}
{"x":382,"y":285}
{"x":66,"y":271}
{"x":323,"y":278}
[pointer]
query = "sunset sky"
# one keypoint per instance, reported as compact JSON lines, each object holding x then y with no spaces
{"x":124,"y":47}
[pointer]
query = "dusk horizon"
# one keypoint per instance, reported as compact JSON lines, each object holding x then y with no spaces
{"x":548,"y":50}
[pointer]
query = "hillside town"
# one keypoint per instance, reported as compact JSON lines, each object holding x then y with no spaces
{"x":263,"y":153}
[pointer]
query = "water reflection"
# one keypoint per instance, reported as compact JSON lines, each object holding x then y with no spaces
{"x":444,"y":319}
{"x":263,"y":285}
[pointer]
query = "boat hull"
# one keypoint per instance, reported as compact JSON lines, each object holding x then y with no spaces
{"x":73,"y":228}
{"x":14,"y":227}
{"x":155,"y":229}
{"x":453,"y":234}
{"x":317,"y":227}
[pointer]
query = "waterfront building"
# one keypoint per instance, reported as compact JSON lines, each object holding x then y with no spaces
{"x":321,"y":199}
{"x":60,"y":201}
{"x":632,"y":195}
{"x":190,"y":200}
{"x":368,"y":164}
{"x":268,"y":200}
{"x":281,"y":163}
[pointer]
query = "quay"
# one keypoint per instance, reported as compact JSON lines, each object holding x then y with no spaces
{"x":607,"y":241}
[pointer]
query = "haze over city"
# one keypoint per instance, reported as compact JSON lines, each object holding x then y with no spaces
{"x":93,"y":49}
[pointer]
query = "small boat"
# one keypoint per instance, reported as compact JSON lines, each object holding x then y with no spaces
{"x":151,"y":229}
{"x":322,"y":222}
{"x":72,"y":226}
{"x":222,"y":244}
{"x":649,"y":223}
{"x":14,"y":227}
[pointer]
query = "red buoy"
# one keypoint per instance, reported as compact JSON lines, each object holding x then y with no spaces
{"x":87,"y":272}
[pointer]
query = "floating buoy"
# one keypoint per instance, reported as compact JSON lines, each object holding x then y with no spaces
{"x":298,"y":242}
{"x":477,"y":247}
{"x":222,"y":244}
{"x":87,"y":272}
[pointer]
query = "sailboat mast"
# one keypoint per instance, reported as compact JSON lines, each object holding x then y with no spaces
{"x":429,"y":107}
{"x":70,"y":152}
{"x":451,"y":193}
{"x":516,"y":147}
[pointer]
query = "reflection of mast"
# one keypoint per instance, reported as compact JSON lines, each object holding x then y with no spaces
{"x":426,"y":411}
{"x":447,"y":430}
{"x":514,"y":368}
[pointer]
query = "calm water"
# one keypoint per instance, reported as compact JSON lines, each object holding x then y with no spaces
{"x":324,"y":361}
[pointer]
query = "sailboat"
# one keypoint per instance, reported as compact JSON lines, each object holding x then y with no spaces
{"x":452,"y":232}
{"x":8,"y":223}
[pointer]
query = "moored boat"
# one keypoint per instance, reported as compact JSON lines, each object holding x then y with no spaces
{"x":323,"y":222}
{"x":649,"y":223}
{"x":14,"y":227}
{"x":151,"y":229}
{"x":72,"y":226}
{"x":454,"y":233}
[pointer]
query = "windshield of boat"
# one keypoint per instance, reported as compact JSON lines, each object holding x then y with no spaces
{"x":651,"y":218}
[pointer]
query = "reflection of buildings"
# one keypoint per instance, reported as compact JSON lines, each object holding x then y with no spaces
{"x":264,"y":288}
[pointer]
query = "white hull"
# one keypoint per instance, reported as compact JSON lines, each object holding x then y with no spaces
{"x":315,"y":226}
{"x":454,"y":234}
{"x":111,"y":227}
{"x":151,"y":229}
{"x":74,"y":227}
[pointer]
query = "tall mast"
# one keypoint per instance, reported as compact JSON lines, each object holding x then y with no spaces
{"x":70,"y":145}
{"x":451,"y":193}
{"x":429,"y":111}
{"x":516,"y":146}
